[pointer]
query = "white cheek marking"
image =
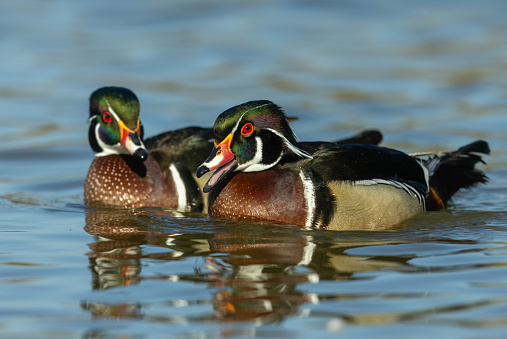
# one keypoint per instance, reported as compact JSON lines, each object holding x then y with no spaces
{"x":258,"y":155}
{"x":108,"y":149}
{"x":111,"y":110}
{"x":180,"y":188}
{"x":299,"y":152}
{"x":309,"y":194}
{"x":255,"y":164}
{"x":242,"y":115}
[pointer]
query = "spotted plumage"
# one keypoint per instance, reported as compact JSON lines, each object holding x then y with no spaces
{"x":262,"y":172}
{"x":123,"y":180}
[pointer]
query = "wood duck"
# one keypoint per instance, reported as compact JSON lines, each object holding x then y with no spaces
{"x":262,"y":172}
{"x":158,"y":172}
{"x":127,"y":172}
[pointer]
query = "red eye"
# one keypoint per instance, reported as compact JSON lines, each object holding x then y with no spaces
{"x":106,"y":116}
{"x":247,"y":129}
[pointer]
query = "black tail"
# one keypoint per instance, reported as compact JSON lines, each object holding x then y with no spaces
{"x":450,"y":172}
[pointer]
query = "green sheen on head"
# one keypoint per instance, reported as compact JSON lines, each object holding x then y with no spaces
{"x":120,"y":100}
{"x":261,"y":113}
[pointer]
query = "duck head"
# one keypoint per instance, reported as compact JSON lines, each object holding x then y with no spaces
{"x":114,"y":122}
{"x":250,"y":137}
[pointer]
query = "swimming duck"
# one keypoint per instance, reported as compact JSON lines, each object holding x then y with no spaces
{"x":262,"y":172}
{"x":131,"y":172}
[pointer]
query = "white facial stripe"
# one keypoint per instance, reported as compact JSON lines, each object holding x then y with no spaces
{"x":309,"y":194}
{"x":258,"y":151}
{"x":237,"y":124}
{"x":116,"y":148}
{"x":254,"y":167}
{"x":108,"y":149}
{"x":299,"y":152}
{"x":255,"y":164}
{"x":111,"y":110}
{"x":242,"y":115}
{"x":255,"y":160}
{"x":180,"y":188}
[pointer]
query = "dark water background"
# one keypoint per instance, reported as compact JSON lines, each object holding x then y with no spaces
{"x":431,"y":75}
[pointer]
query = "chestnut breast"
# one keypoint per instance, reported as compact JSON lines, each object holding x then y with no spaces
{"x":272,"y":195}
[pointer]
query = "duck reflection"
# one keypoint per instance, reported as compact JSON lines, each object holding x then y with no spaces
{"x":252,"y":274}
{"x":260,"y":275}
{"x":115,"y":257}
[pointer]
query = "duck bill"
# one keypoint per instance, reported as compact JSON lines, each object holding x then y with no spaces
{"x":131,"y":141}
{"x":221,"y":160}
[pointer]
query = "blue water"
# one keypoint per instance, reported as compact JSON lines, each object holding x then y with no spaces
{"x":431,"y":75}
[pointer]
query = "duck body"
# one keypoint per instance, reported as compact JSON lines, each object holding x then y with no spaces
{"x":338,"y":187}
{"x":339,"y":205}
{"x":263,"y":173}
{"x":180,"y":151}
{"x":127,"y":181}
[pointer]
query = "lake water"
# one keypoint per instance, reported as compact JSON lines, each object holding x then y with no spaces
{"x":431,"y":75}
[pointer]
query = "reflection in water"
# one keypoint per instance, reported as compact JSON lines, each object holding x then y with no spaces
{"x":115,"y":268}
{"x":116,"y":311}
{"x":264,"y":274}
{"x":115,"y":257}
{"x":259,"y":276}
{"x":253,"y":274}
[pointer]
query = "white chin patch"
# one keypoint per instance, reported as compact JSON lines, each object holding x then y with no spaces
{"x":256,"y":165}
{"x":108,"y":149}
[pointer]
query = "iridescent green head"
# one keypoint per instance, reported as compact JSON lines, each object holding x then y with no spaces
{"x":261,"y":113}
{"x":250,"y":137}
{"x":115,"y":127}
